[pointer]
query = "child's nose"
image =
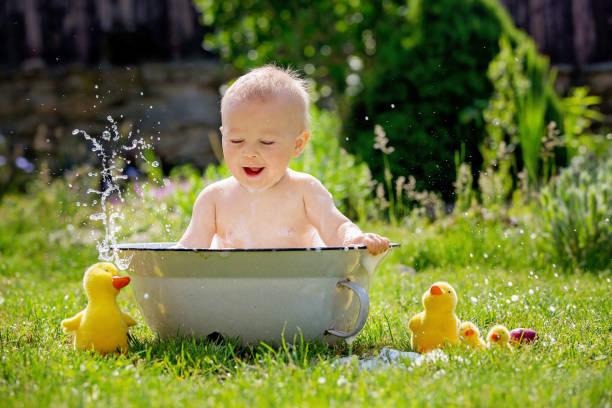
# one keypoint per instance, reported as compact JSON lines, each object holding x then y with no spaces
{"x":249,"y":152}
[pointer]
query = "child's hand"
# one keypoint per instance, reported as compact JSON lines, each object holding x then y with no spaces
{"x":374,"y":242}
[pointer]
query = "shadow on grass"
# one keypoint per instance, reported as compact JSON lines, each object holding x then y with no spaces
{"x":185,"y":356}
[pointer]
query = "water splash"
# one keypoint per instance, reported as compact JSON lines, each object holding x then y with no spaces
{"x":108,"y":148}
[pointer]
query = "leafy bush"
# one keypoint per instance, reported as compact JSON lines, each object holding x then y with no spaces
{"x":575,"y":214}
{"x":417,"y":68}
{"x":577,"y":116}
{"x":428,"y":89}
{"x":318,"y":37}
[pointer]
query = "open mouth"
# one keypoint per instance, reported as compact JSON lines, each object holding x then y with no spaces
{"x":252,"y":171}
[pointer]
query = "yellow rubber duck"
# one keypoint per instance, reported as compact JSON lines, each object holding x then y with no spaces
{"x":438,"y":324}
{"x":499,"y":336}
{"x":469,"y":333}
{"x":101,"y":325}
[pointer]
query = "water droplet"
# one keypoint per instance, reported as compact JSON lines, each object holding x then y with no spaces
{"x":514,"y":298}
{"x":392,"y":106}
{"x":155,"y":164}
{"x":96,"y":86}
{"x":146,"y":296}
{"x":75,"y":131}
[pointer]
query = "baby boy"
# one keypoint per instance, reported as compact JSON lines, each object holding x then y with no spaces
{"x":264,"y":116}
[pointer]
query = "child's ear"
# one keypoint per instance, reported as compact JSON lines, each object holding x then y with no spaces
{"x":221,"y":129}
{"x":300,"y":142}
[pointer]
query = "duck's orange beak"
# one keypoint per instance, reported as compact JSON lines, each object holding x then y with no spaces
{"x":120,"y":281}
{"x":435,"y":290}
{"x":495,"y":336}
{"x":469,"y":332}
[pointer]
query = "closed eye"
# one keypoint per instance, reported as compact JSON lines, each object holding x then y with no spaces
{"x":266,"y":142}
{"x":237,"y":141}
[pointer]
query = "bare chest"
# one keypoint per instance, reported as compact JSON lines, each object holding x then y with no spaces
{"x":264,"y":222}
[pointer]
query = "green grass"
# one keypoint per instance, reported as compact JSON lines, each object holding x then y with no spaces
{"x":42,"y":261}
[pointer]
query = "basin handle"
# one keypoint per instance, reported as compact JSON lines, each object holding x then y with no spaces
{"x":364,"y":309}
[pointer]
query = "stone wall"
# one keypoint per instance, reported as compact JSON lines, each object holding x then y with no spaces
{"x":177,"y":102}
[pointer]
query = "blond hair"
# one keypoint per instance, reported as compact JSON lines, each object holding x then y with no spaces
{"x":267,"y":82}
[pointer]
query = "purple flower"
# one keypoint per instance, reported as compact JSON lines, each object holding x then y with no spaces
{"x":24,"y":164}
{"x":165,"y":191}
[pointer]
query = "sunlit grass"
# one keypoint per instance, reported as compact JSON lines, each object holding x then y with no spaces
{"x":42,"y":262}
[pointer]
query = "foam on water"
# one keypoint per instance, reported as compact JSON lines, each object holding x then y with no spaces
{"x":108,"y":147}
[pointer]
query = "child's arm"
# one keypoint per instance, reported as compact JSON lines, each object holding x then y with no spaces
{"x":335,"y":229}
{"x":203,"y":224}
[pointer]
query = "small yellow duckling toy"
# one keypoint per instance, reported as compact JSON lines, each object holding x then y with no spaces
{"x":499,"y":336}
{"x":101,"y":325}
{"x":469,"y":333}
{"x":438,"y":324}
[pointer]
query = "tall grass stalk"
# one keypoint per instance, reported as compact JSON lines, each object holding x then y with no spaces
{"x":531,"y":112}
{"x":380,"y":143}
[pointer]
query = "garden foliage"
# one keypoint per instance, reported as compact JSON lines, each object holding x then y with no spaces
{"x":416,"y":68}
{"x":427,"y":89}
{"x":575,"y":214}
{"x":522,"y":104}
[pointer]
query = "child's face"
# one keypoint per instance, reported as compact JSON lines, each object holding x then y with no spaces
{"x":259,"y":139}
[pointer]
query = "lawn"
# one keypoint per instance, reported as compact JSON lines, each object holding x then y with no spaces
{"x":491,"y":265}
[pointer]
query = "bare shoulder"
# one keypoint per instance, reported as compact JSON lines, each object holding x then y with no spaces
{"x":308,"y":183}
{"x":213,"y":192}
